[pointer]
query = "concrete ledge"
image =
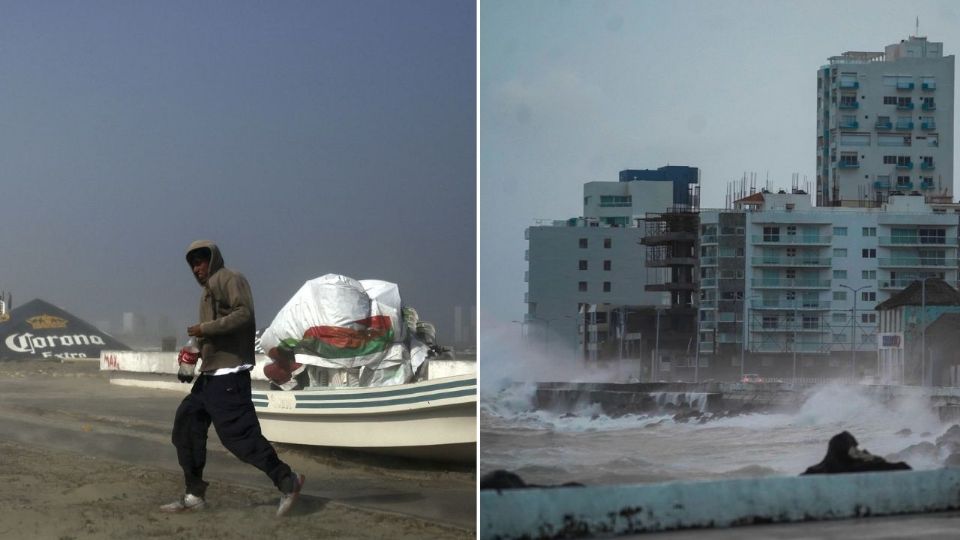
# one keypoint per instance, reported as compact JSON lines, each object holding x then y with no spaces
{"x":610,"y":510}
{"x":157,"y":385}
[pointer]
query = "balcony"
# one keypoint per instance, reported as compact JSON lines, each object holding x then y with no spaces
{"x":784,"y":283}
{"x":851,"y":124}
{"x":728,"y":338}
{"x":905,"y":165}
{"x":904,"y":241}
{"x":708,"y":239}
{"x":881,"y":184}
{"x":904,"y":186}
{"x":708,"y":261}
{"x":849,"y":85}
{"x":849,"y":105}
{"x":904,"y":126}
{"x":789,"y":328}
{"x":846,"y":164}
{"x":926,"y":185}
{"x":906,"y":106}
{"x":928,"y":106}
{"x":883,"y":126}
{"x":915,"y":262}
{"x":926,"y":165}
{"x":928,"y":86}
{"x":790,"y":239}
{"x":809,"y":348}
{"x":905,"y":85}
{"x":928,"y":125}
{"x":790,"y":261}
{"x":708,"y":282}
{"x":798,"y":305}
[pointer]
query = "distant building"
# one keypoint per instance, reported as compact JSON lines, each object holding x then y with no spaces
{"x":784,"y":283}
{"x":134,"y":323}
{"x":885,"y":124}
{"x":582,"y":268}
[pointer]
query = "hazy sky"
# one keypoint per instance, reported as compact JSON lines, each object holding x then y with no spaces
{"x":572,"y":92}
{"x":303,"y":137}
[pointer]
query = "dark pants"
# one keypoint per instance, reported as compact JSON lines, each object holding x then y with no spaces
{"x":225,"y":401}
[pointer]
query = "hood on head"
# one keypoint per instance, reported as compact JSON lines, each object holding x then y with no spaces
{"x":216,"y":259}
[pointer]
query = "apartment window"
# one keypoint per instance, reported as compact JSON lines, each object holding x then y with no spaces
{"x":889,"y":100}
{"x":839,"y":252}
{"x":606,"y":286}
{"x":869,"y":231}
{"x":607,"y":265}
{"x":791,"y":230}
{"x":869,"y":253}
{"x":811,"y":322}
{"x":868,"y":296}
{"x":583,"y":264}
{"x":607,"y":243}
{"x":739,"y":252}
{"x":868,"y":317}
{"x":868,"y":274}
{"x":889,"y":160}
{"x":839,"y":317}
{"x":583,"y":243}
{"x":769,"y":323}
{"x":932,"y":236}
{"x":791,"y":252}
{"x":791,"y":273}
{"x":839,"y":274}
{"x":839,"y":296}
{"x":903,"y":182}
{"x":839,"y":231}
{"x":582,"y":286}
{"x":771,"y":234}
{"x":791,"y":295}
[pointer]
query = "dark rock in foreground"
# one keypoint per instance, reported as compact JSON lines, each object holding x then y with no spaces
{"x":501,"y":479}
{"x":843,"y":456}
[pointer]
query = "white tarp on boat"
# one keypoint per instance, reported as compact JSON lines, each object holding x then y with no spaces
{"x":355,"y":327}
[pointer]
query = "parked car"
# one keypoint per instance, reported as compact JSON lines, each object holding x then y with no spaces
{"x":751,"y":378}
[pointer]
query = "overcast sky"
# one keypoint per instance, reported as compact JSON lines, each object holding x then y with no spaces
{"x":303,"y":137}
{"x":572,"y":92}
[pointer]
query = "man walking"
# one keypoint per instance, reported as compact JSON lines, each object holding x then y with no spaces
{"x":221,"y":393}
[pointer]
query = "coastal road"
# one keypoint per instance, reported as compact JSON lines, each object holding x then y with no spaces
{"x":74,"y":408}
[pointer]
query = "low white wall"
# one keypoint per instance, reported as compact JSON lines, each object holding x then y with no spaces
{"x":624,"y":509}
{"x":166,"y":363}
{"x":159,"y":362}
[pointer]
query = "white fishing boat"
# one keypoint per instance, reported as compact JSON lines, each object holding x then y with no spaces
{"x":434,"y":418}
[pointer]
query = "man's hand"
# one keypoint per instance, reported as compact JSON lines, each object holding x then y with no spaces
{"x":195,"y":331}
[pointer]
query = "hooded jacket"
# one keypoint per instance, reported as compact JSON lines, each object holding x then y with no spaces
{"x":226,"y":314}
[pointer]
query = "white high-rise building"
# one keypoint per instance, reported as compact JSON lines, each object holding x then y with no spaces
{"x":806,"y":280}
{"x":596,"y":260}
{"x":885,"y":125}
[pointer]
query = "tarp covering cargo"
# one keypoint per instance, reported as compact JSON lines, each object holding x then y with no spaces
{"x":43,"y":330}
{"x":340,"y":323}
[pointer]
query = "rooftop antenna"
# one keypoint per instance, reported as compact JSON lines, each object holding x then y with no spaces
{"x":918,"y":27}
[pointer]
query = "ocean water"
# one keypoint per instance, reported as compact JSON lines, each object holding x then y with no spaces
{"x":586,"y":446}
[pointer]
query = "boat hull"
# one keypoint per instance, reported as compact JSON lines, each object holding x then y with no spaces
{"x":436,"y":418}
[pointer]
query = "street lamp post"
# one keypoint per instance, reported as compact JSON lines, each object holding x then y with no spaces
{"x":853,"y":330}
{"x":746,"y":334}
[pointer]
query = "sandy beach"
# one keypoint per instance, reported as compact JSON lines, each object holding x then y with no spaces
{"x":81,"y":458}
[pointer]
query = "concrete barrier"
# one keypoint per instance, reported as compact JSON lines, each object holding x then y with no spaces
{"x":611,"y":510}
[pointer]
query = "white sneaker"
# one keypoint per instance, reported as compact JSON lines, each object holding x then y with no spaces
{"x":187,"y":503}
{"x":288,"y":499}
